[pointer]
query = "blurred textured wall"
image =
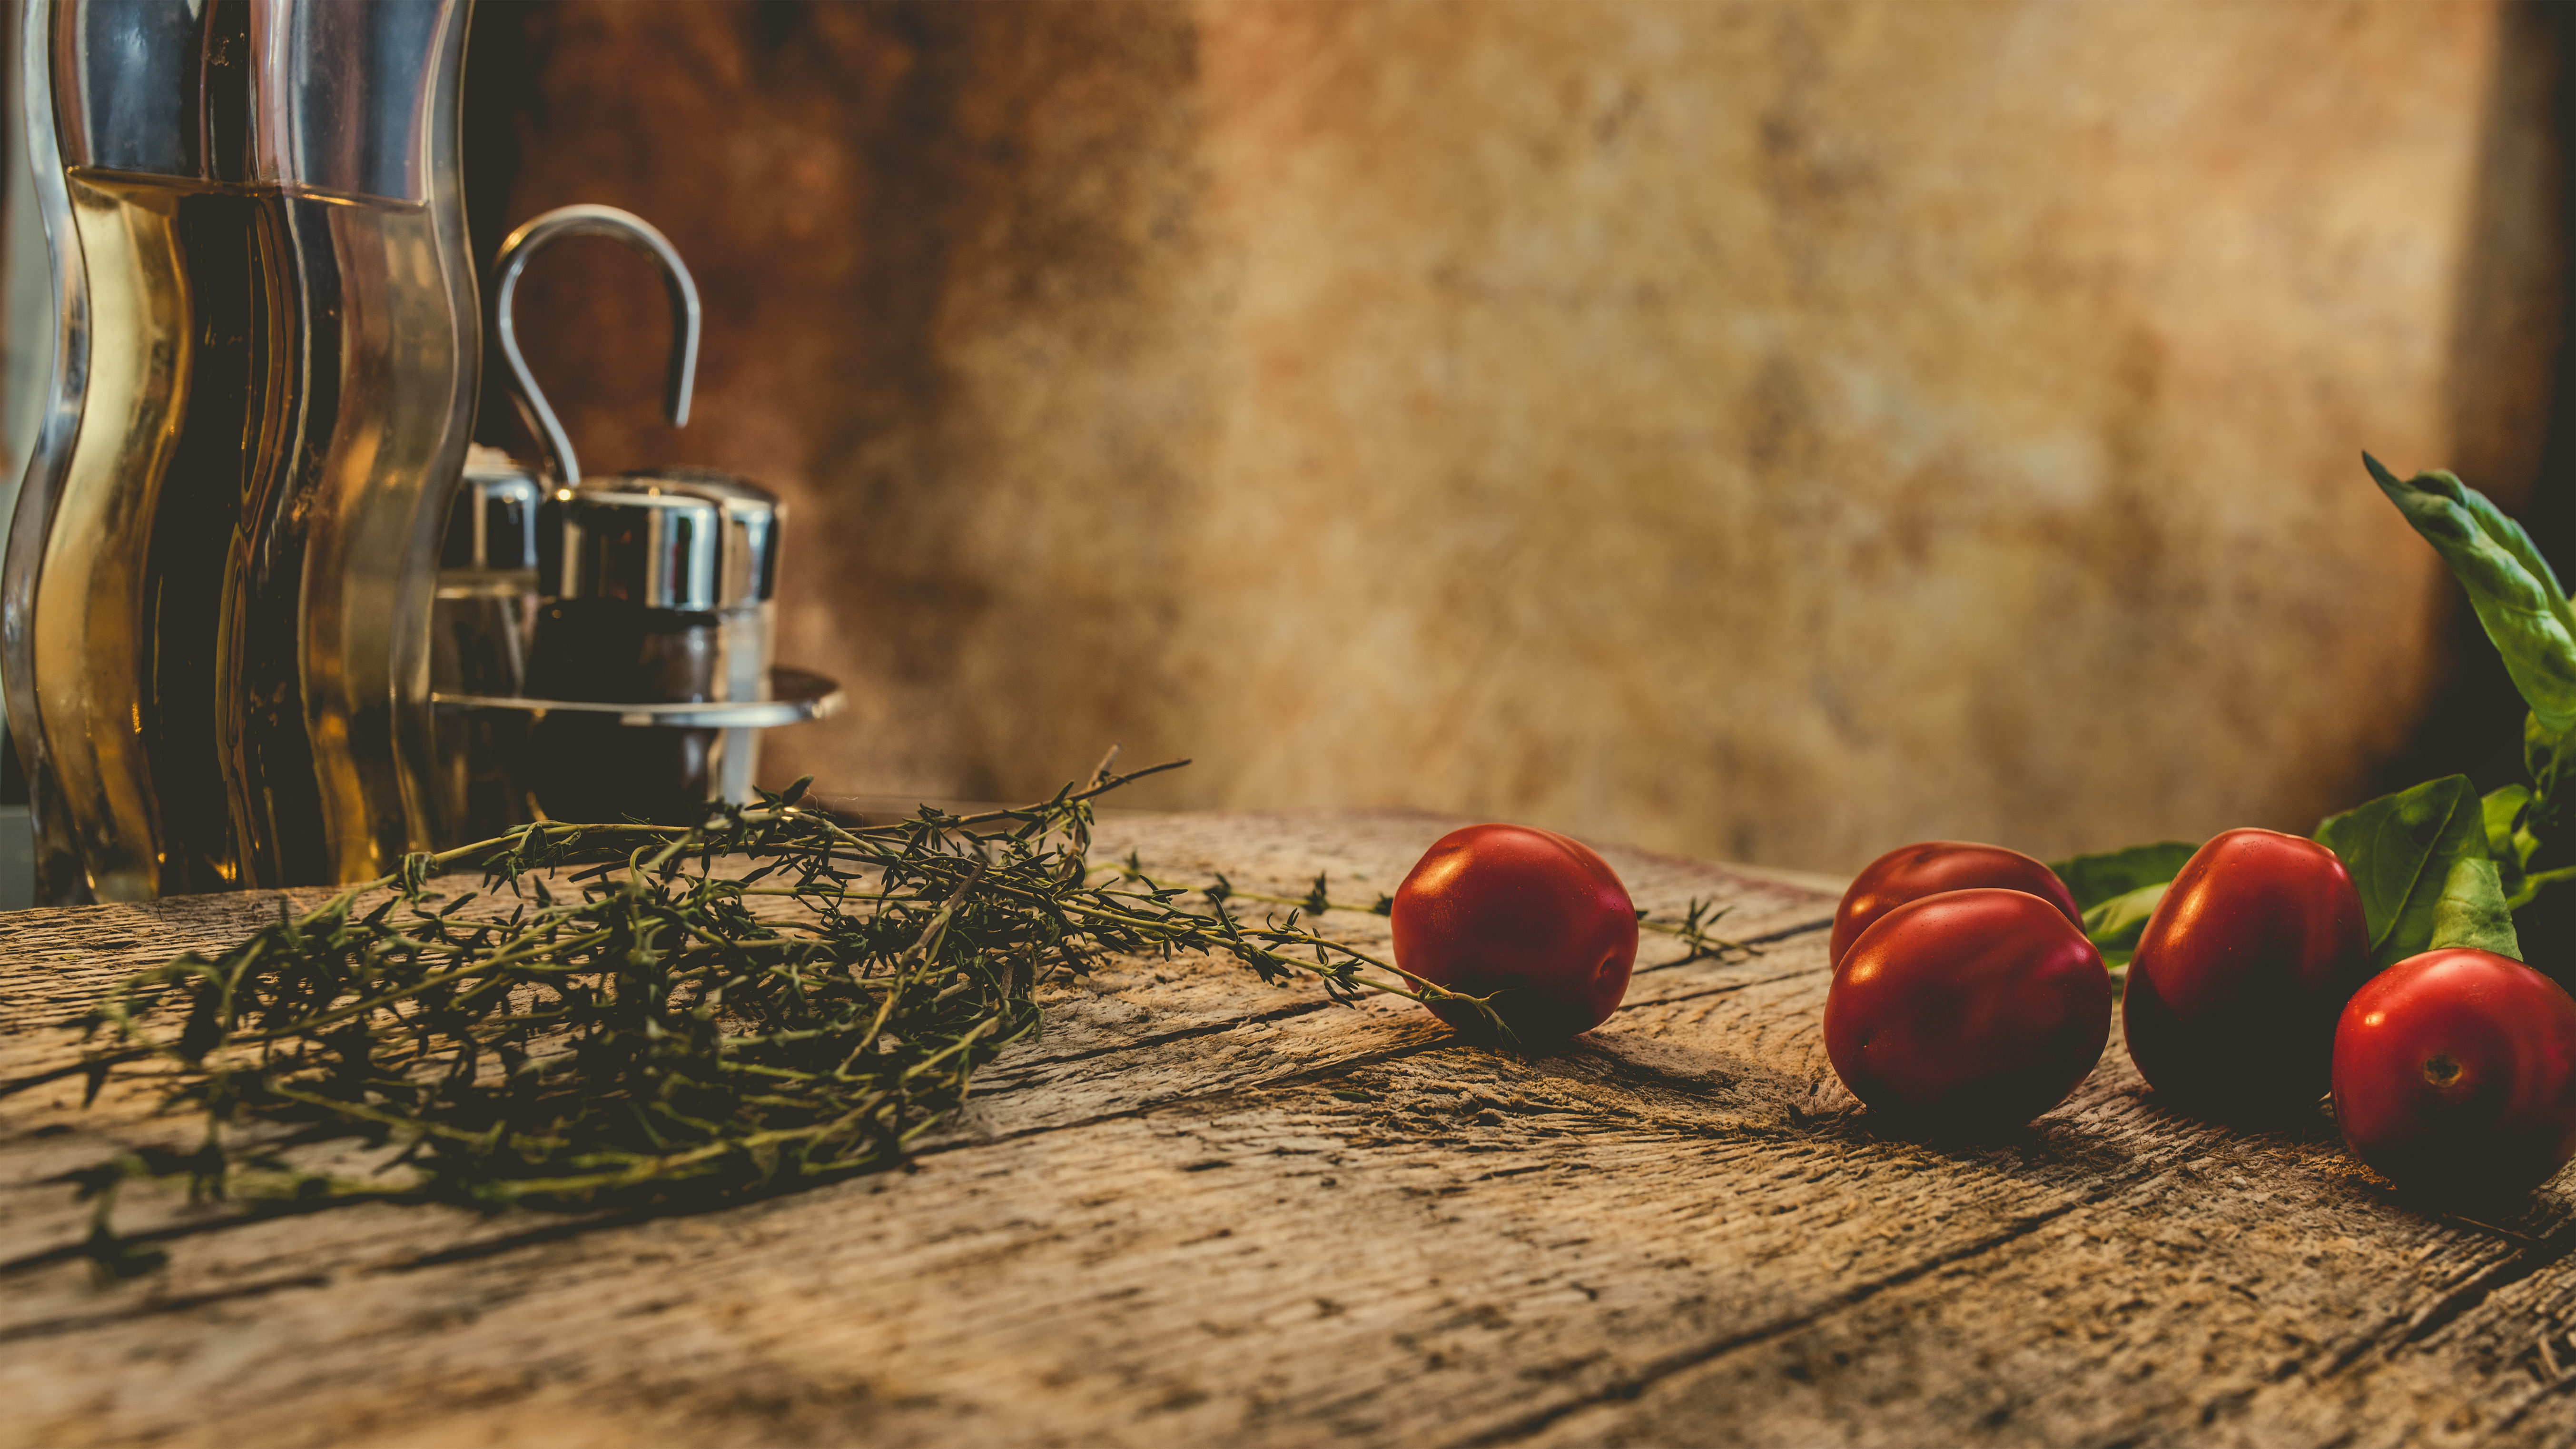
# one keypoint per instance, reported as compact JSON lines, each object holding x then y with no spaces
{"x":1770,"y":430}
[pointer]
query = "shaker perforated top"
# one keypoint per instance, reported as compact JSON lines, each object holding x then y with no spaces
{"x":686,"y":539}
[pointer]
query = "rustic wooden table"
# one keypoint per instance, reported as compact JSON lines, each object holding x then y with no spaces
{"x":1204,"y":1211}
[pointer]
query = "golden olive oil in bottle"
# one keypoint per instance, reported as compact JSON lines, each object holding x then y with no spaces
{"x":224,"y":595}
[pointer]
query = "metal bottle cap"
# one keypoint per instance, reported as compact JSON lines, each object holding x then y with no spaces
{"x":680,"y":538}
{"x":492,"y":524}
{"x":753,"y":519}
{"x":634,"y":539}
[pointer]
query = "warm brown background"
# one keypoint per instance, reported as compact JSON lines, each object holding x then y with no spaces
{"x":1769,"y":430}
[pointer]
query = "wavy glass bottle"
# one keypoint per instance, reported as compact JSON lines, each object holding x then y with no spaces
{"x":214,"y":620}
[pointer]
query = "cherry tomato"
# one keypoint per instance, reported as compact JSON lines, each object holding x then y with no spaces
{"x":1911,"y":872}
{"x":2237,"y":980}
{"x":1970,"y":1009}
{"x":1526,"y":913}
{"x":2456,"y":1070}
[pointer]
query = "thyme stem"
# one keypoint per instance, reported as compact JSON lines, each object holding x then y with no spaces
{"x":650,"y":1041}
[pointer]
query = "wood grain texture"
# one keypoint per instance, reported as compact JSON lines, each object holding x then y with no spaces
{"x":1201,"y":1210}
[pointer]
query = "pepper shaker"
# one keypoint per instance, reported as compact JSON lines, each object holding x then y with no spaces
{"x":662,"y":593}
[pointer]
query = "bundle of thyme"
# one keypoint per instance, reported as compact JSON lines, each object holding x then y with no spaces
{"x":771,"y":998}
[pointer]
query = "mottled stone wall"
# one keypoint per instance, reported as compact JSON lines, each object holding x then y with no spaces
{"x":1771,"y":430}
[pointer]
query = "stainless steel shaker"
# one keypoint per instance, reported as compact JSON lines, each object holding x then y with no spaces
{"x":664,"y":594}
{"x":648,"y":671}
{"x":481,"y":627}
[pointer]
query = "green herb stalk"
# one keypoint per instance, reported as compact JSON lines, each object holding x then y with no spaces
{"x":684,"y":1016}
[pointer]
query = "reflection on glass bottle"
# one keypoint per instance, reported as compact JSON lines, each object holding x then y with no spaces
{"x":226,"y":624}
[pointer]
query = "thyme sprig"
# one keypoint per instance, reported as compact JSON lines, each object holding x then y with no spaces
{"x":1691,"y":930}
{"x":771,"y":998}
{"x":649,"y":1018}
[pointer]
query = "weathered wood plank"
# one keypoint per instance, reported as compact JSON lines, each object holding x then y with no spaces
{"x":1203,"y":1210}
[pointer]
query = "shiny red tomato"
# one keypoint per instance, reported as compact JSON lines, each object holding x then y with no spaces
{"x":1971,"y":1009}
{"x":2456,"y":1071}
{"x":1525,"y":913}
{"x":2237,"y":980}
{"x":1911,"y":872}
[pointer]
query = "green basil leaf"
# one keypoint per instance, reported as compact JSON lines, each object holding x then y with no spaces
{"x":2548,"y":756}
{"x":2542,"y":749}
{"x":2533,"y":882}
{"x":2115,"y":925}
{"x":2517,"y":598}
{"x":2502,"y":809}
{"x":2095,"y":879}
{"x":2506,"y":811}
{"x":2400,"y":849}
{"x":2471,"y":911}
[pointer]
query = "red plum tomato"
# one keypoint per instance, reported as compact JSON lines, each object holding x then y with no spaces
{"x":2240,"y":973}
{"x":1972,"y":1009}
{"x":1911,"y":872}
{"x":2456,"y":1071}
{"x":1527,"y":915}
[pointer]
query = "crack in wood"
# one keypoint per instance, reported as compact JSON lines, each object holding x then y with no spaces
{"x":1637,"y":1384}
{"x":49,"y":1327}
{"x":1014,"y":1075}
{"x":1723,"y":989}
